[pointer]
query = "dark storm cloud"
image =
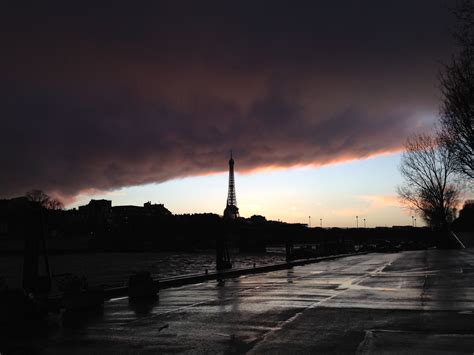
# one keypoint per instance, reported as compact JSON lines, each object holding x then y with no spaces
{"x":100,"y":98}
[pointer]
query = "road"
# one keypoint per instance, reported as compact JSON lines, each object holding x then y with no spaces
{"x":417,"y":301}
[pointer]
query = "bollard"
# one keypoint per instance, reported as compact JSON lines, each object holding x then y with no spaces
{"x":141,"y":285}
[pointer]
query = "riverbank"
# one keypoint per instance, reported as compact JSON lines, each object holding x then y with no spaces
{"x":221,"y":276}
{"x":113,"y":269}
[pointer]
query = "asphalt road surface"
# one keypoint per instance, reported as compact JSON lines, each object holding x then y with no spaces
{"x":410,"y":302}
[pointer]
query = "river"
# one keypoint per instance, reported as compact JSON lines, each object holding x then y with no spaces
{"x":113,"y":269}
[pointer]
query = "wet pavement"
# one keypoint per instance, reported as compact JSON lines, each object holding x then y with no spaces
{"x":413,"y":302}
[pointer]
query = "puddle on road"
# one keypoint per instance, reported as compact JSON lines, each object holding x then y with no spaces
{"x":378,"y":341}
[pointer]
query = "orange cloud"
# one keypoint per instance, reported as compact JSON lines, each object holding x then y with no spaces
{"x":381,"y":201}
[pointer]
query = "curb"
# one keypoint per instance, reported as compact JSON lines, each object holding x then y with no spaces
{"x":170,"y":282}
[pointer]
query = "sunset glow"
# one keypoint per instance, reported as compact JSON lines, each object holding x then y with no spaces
{"x":290,"y":195}
{"x":136,"y":105}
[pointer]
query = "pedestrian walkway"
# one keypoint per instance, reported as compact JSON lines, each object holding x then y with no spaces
{"x":411,"y":301}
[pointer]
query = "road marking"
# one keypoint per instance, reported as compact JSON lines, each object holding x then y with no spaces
{"x":280,"y":325}
{"x":240,"y":292}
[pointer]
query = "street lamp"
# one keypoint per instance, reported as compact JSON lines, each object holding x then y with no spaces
{"x":357,"y":221}
{"x":364,"y":222}
{"x":415,"y":222}
{"x":412,"y":221}
{"x":321,"y":222}
{"x":309,"y":224}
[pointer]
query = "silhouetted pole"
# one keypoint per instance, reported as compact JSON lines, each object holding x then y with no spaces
{"x":35,"y":246}
{"x":321,"y":222}
{"x":412,"y":221}
{"x":309,"y":223}
{"x":289,"y":250}
{"x":357,"y":221}
{"x":222,"y":254}
{"x":364,"y":222}
{"x":415,"y":222}
{"x":31,"y":256}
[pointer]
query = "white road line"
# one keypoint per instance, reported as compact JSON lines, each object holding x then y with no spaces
{"x":354,"y":281}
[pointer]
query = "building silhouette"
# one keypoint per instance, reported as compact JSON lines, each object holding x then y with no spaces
{"x":231,"y":211}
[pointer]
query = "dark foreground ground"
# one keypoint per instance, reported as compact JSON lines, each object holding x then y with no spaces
{"x":410,"y":302}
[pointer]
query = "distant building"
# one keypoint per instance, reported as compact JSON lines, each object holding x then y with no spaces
{"x":97,"y":215}
{"x":231,"y":211}
{"x":156,"y":209}
{"x":127,"y":212}
{"x":257,"y":219}
{"x":97,"y":207}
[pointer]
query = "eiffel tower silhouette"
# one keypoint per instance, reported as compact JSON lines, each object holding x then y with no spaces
{"x":231,"y":211}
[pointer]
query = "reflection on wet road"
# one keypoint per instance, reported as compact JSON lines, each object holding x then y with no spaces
{"x":358,"y":303}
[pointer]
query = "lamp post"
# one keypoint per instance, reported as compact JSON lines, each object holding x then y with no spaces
{"x":309,"y":224}
{"x":364,"y":222}
{"x":412,"y":221}
{"x":321,"y":222}
{"x":415,"y":222}
{"x":357,"y":221}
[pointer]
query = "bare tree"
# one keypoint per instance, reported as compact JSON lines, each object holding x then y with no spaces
{"x":44,"y":200}
{"x":430,"y":187}
{"x":457,"y":87}
{"x":55,"y":204}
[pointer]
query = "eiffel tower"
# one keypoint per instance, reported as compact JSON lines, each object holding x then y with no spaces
{"x":231,"y":211}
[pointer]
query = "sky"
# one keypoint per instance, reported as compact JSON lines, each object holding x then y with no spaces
{"x":142,"y":102}
{"x":320,"y":196}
